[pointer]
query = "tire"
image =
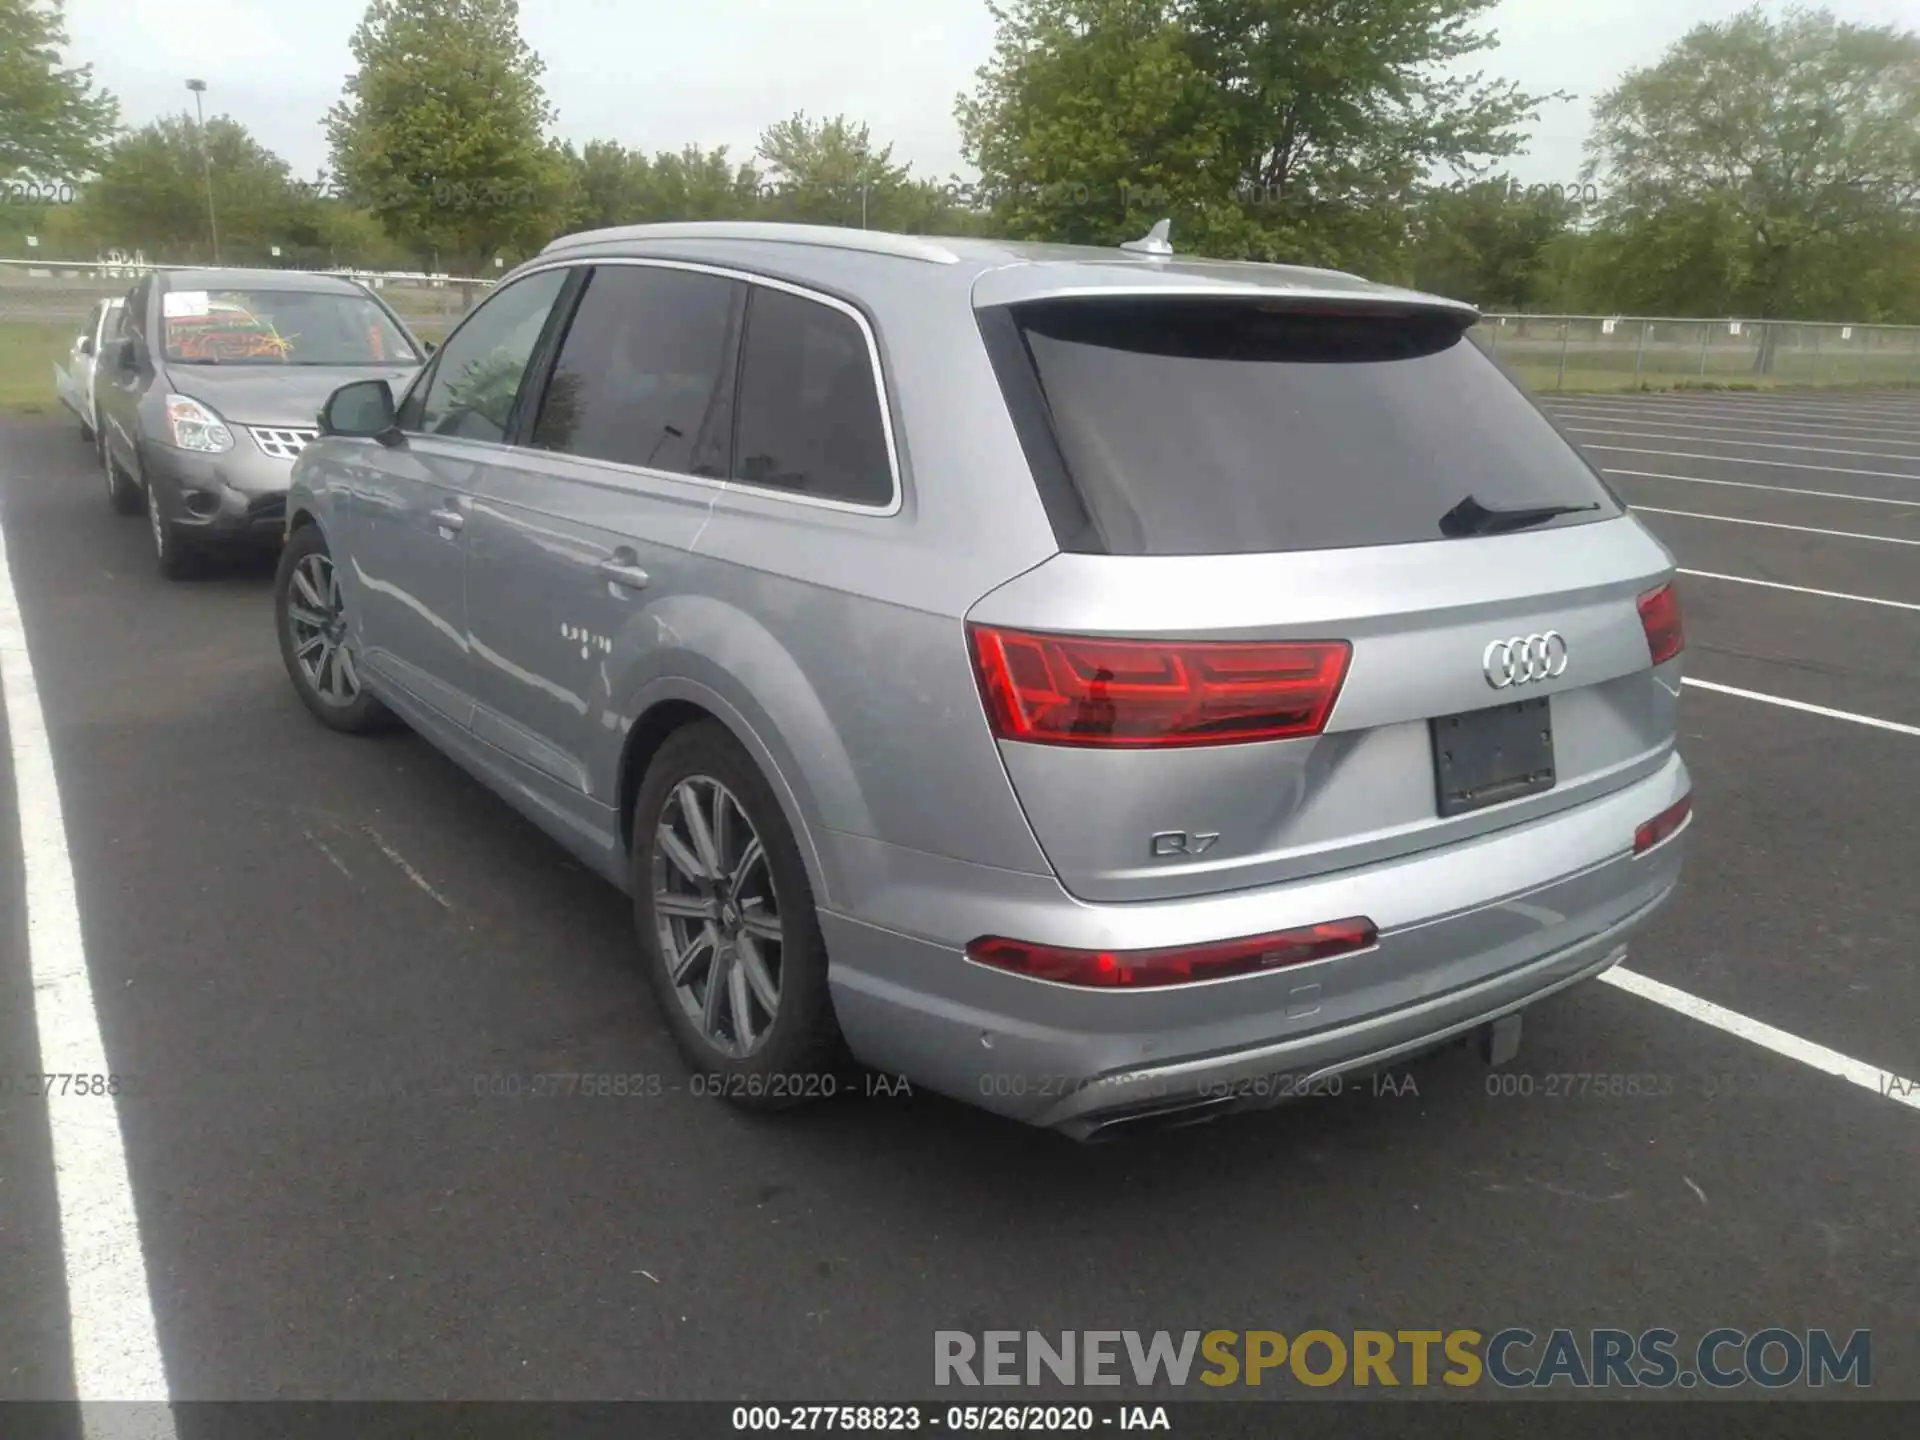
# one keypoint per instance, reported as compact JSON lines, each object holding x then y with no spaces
{"x":176,"y":558}
{"x":122,"y":494}
{"x":336,"y":694}
{"x":796,"y":1056}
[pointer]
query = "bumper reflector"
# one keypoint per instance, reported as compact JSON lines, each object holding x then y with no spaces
{"x":1174,"y":965}
{"x":1661,"y":826}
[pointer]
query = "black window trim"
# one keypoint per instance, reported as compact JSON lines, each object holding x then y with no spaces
{"x":898,"y":500}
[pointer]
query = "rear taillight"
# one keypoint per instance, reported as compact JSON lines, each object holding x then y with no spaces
{"x":1078,"y":690}
{"x":1662,"y":825}
{"x":1660,"y":618}
{"x":1176,"y":965}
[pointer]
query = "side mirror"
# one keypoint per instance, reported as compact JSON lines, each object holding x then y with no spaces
{"x":362,"y":409}
{"x":86,"y":344}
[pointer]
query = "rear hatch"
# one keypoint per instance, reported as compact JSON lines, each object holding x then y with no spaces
{"x":1332,"y":589}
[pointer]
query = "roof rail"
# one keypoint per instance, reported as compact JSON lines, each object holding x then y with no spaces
{"x":874,"y":242}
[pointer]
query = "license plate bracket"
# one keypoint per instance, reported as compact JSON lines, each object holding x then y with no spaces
{"x":1488,"y":757}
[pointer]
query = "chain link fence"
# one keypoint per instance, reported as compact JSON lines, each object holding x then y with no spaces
{"x":42,"y":306}
{"x":1626,"y":352}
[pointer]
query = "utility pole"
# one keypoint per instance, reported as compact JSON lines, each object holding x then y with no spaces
{"x":199,"y":88}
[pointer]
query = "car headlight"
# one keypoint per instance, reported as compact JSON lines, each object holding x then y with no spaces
{"x":194,"y":427}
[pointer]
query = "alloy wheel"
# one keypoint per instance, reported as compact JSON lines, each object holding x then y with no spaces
{"x":317,"y":626}
{"x":717,"y":916}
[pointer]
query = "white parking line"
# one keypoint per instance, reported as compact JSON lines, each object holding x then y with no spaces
{"x":1836,"y":430}
{"x":1777,"y":525}
{"x":1749,"y":444}
{"x":1755,"y":485}
{"x":1802,"y":589}
{"x":116,"y":1349}
{"x":1878,"y":420}
{"x":1748,"y":460}
{"x":1894,"y":725}
{"x":1884,"y":1083}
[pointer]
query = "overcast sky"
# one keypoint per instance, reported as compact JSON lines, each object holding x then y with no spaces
{"x":659,"y":73}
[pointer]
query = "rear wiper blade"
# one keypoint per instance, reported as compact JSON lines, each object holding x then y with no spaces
{"x":1470,"y":517}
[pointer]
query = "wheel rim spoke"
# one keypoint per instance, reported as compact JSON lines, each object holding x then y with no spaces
{"x":304,"y":584}
{"x":761,"y":925}
{"x":753,"y":965}
{"x":699,"y":829}
{"x":701,"y":948}
{"x":750,"y":858}
{"x":301,"y":615}
{"x":739,"y":1003}
{"x":348,"y":677}
{"x":684,"y":907}
{"x":717,"y":993}
{"x":676,"y":851}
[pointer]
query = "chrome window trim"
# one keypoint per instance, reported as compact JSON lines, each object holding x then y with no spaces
{"x":893,"y":506}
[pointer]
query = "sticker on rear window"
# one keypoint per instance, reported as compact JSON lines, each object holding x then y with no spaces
{"x":179,"y":304}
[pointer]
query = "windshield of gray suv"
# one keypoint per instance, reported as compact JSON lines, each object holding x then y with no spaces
{"x":279,"y":327}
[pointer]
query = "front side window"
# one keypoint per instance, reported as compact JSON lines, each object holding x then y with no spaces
{"x":279,"y":327}
{"x":642,"y":376}
{"x":810,"y":416}
{"x":477,"y":373}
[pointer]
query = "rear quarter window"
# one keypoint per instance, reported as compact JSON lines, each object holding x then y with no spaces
{"x":1213,"y":427}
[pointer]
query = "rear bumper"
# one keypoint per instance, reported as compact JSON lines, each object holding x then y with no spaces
{"x":1467,"y":933}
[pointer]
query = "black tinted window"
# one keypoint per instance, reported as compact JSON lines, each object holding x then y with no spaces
{"x":477,"y":374}
{"x":639,"y":377}
{"x":809,"y":413}
{"x":1210,"y":428}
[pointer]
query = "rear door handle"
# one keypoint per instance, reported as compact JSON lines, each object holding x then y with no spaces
{"x":621,"y":570}
{"x":447,"y":519}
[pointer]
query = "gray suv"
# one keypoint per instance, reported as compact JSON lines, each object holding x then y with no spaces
{"x":1104,"y":687}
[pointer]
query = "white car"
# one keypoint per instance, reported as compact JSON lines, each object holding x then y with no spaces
{"x":74,"y":380}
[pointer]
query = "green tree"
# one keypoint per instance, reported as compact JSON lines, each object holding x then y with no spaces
{"x":54,"y":123}
{"x":441,"y":131}
{"x":1767,"y":168}
{"x":151,"y":194}
{"x":696,"y":184}
{"x":1268,"y":129}
{"x":829,"y":172}
{"x":1490,"y":243}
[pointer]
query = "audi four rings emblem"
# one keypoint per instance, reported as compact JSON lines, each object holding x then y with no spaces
{"x":1523,"y":659}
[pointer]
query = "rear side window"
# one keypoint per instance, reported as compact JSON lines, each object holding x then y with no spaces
{"x":641,"y":376}
{"x":1222,"y":427}
{"x":809,"y":409}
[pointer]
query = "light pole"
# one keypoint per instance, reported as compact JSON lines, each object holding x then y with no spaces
{"x":199,"y":88}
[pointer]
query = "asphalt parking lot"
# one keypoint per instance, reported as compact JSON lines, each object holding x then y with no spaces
{"x":313,"y":960}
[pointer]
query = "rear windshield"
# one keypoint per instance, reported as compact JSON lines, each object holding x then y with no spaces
{"x":280,"y":327}
{"x":1213,"y":428}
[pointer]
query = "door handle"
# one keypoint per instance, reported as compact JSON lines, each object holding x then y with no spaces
{"x":447,"y":519}
{"x":621,"y":570}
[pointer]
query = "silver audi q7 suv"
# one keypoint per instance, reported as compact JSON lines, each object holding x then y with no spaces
{"x":1098,"y":685}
